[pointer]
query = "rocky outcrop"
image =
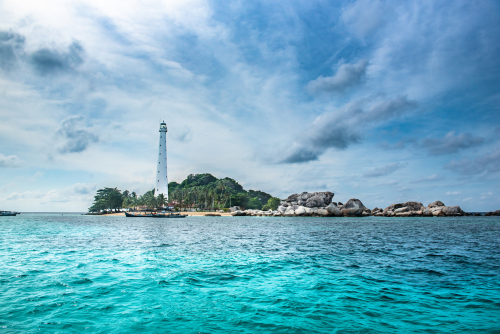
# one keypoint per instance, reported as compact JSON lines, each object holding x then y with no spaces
{"x":493,"y":213}
{"x":412,"y":209}
{"x":234,"y":208}
{"x":353,"y":207}
{"x":319,"y":204}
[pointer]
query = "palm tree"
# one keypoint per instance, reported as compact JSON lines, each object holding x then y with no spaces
{"x":160,"y":201}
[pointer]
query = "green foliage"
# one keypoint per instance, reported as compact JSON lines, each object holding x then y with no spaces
{"x":254,"y":203}
{"x":260,"y":195}
{"x":240,"y":199}
{"x":107,"y":199}
{"x":273,"y":203}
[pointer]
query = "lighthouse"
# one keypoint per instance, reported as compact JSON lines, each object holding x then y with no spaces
{"x":161,"y":175}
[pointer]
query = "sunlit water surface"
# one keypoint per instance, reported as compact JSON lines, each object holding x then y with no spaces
{"x":74,"y":273}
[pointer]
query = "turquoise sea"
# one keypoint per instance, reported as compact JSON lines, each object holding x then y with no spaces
{"x":72,"y":273}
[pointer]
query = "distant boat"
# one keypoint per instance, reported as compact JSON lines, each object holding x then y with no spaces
{"x":155,"y":215}
{"x":8,"y":213}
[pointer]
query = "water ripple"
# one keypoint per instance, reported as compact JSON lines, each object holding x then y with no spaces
{"x":249,"y":274}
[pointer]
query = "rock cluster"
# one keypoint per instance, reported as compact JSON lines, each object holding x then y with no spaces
{"x":414,"y":209}
{"x":319,"y":204}
{"x":494,"y":213}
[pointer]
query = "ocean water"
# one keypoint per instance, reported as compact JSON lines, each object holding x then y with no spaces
{"x":74,"y":273}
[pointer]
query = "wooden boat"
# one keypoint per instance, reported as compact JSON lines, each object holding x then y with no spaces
{"x":7,"y":213}
{"x":155,"y":215}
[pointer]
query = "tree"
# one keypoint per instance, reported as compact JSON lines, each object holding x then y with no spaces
{"x":107,"y":199}
{"x":272,"y":204}
{"x":254,"y":203}
{"x":161,"y":201}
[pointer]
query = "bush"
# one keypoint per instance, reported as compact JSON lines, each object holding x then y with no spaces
{"x":272,"y":204}
{"x":225,"y":209}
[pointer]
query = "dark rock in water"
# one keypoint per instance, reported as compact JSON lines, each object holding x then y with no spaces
{"x":493,"y":213}
{"x":353,"y":207}
{"x":435,"y":204}
{"x":477,"y":214}
{"x":453,"y":211}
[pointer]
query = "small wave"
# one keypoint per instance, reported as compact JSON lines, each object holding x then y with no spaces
{"x":428,"y":271}
{"x":372,"y":314}
{"x":83,"y":281}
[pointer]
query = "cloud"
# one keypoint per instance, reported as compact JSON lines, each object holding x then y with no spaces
{"x":347,"y":75}
{"x":7,"y":161}
{"x":453,"y":193}
{"x":451,"y":143}
{"x":489,"y":163}
{"x":11,"y":46}
{"x":47,"y":61}
{"x":340,"y":128}
{"x":433,"y":177}
{"x":74,"y":137}
{"x":83,"y":189}
{"x":387,"y":169}
{"x":365,"y":17}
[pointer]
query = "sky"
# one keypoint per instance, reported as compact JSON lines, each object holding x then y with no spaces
{"x":384,"y":101}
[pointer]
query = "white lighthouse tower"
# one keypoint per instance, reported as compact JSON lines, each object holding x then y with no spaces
{"x":161,"y":175}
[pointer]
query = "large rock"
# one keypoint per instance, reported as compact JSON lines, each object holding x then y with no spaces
{"x":435,"y":204}
{"x":323,"y":212}
{"x":332,"y":208}
{"x":300,"y":211}
{"x":453,"y":211}
{"x":353,"y":207}
{"x":234,"y":208}
{"x":282,"y":208}
{"x":310,"y":200}
{"x":427,"y":212}
{"x":238,"y":213}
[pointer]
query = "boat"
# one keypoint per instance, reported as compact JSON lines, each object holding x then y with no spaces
{"x":155,"y":215}
{"x":8,"y":213}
